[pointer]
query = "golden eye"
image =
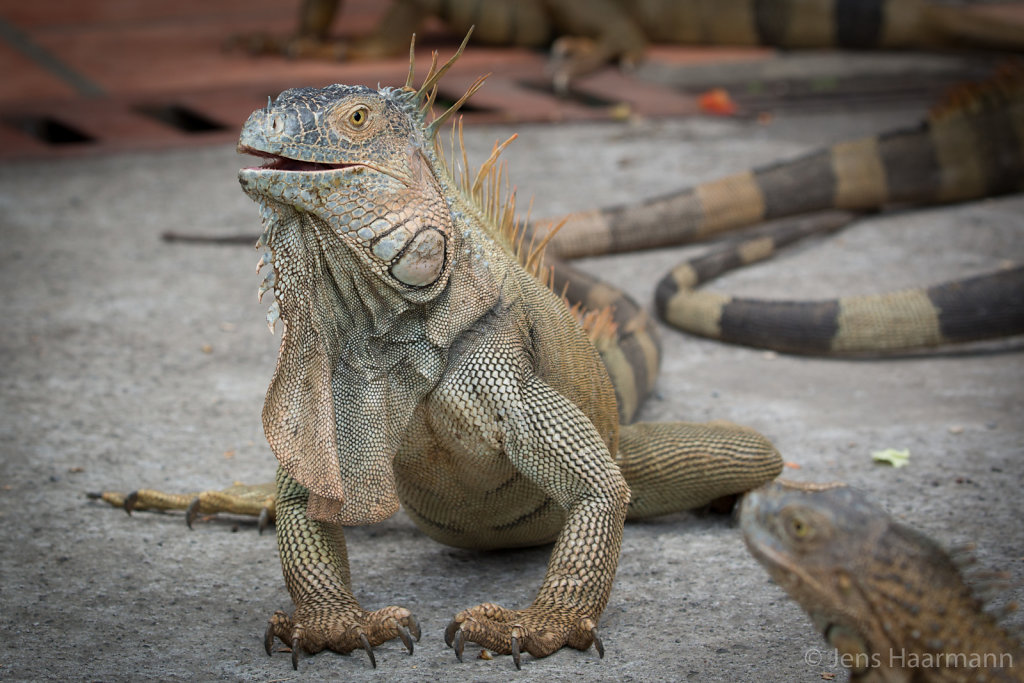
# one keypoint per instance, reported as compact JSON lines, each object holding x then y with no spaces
{"x":358,"y":117}
{"x":799,"y":528}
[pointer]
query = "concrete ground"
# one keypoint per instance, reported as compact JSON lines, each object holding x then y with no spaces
{"x":129,"y":362}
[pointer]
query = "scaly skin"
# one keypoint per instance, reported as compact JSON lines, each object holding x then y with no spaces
{"x":887,"y":597}
{"x":421,"y":364}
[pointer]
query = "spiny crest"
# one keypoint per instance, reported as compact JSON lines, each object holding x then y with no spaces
{"x":490,"y":190}
{"x":426,"y":94}
{"x":1001,"y":89}
{"x":599,"y":324}
{"x":489,"y":187}
{"x":986,"y":587}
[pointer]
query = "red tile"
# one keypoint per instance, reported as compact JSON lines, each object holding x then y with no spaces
{"x":25,"y":81}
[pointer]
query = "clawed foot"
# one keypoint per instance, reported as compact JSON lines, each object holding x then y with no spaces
{"x":316,"y":629}
{"x":537,"y":630}
{"x":574,"y":57}
{"x":257,"y":500}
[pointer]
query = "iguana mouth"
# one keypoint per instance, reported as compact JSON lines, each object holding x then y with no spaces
{"x":276,"y":162}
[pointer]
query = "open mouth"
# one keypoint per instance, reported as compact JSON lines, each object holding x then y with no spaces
{"x":275,"y":162}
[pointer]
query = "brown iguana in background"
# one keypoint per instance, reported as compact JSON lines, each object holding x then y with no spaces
{"x":591,"y":33}
{"x":888,"y":598}
{"x":968,"y":148}
{"x":424,"y":362}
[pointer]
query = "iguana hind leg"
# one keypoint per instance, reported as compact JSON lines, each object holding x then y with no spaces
{"x":312,"y":39}
{"x":314,"y":560}
{"x":673,"y":466}
{"x":255,"y":500}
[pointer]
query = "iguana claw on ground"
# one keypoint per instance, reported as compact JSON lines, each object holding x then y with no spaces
{"x":888,"y":598}
{"x":425,"y":362}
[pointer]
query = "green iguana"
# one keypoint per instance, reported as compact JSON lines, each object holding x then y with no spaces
{"x":424,"y":363}
{"x":888,"y":598}
{"x":592,"y":33}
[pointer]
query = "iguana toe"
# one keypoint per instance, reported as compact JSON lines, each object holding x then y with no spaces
{"x":326,"y":628}
{"x":406,"y":637}
{"x":191,"y":512}
{"x":538,"y":630}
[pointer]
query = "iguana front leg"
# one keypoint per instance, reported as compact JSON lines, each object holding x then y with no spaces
{"x":314,"y":560}
{"x":553,"y":443}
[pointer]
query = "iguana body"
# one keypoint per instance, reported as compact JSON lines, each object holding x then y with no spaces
{"x":887,"y":597}
{"x":596,"y":32}
{"x":971,"y":149}
{"x":421,"y":364}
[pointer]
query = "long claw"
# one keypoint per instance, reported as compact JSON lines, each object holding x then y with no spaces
{"x":515,"y":653}
{"x":369,"y":650}
{"x":264,"y":520}
{"x":414,"y":628}
{"x":403,"y":633}
{"x":268,"y":639}
{"x":130,"y":500}
{"x":191,"y":512}
{"x":295,"y":652}
{"x":460,"y":643}
{"x":598,"y":645}
{"x":449,"y":633}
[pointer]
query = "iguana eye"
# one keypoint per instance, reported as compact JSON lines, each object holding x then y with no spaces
{"x":799,"y":528}
{"x":358,"y":117}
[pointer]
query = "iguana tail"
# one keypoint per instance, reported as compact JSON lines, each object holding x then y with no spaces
{"x":971,"y":147}
{"x":978,"y":308}
{"x":848,"y":24}
{"x":629,"y":346}
{"x":978,"y":26}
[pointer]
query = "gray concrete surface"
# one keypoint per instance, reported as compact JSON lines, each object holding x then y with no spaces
{"x":127,"y":362}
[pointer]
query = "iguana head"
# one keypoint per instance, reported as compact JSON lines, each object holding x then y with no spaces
{"x":353,"y":158}
{"x":872,"y":586}
{"x":813,"y":539}
{"x":359,"y":227}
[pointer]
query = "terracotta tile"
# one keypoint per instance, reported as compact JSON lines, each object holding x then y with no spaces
{"x":151,"y":54}
{"x":24,"y":80}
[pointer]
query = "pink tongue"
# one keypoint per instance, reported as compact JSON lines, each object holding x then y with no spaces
{"x":285,"y":164}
